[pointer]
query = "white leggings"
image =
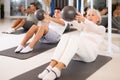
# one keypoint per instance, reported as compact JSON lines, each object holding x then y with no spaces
{"x":68,"y":47}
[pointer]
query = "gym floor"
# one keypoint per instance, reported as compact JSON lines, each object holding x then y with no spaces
{"x":11,"y":67}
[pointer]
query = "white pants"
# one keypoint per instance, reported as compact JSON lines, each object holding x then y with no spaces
{"x":73,"y":47}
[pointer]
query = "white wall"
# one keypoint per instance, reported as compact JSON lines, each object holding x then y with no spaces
{"x":7,"y":8}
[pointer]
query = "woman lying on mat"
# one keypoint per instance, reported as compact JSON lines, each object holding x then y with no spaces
{"x":82,"y":47}
{"x":50,"y":31}
{"x":26,"y":24}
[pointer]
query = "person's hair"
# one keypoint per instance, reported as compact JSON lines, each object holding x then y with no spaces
{"x":57,"y":8}
{"x":96,"y":12}
{"x":33,"y":3}
{"x":117,"y":4}
{"x":85,"y":10}
{"x":100,"y":9}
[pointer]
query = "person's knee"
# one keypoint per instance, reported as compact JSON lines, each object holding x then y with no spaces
{"x":34,"y":27}
{"x":43,"y":27}
{"x":19,"y":19}
{"x":23,"y":21}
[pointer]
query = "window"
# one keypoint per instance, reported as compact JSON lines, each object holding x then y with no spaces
{"x":15,"y":7}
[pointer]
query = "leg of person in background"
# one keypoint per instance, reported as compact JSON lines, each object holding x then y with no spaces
{"x":17,"y":21}
{"x":17,"y":24}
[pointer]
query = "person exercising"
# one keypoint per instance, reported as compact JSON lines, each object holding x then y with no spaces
{"x":50,"y":31}
{"x":81,"y":47}
{"x":25,"y":23}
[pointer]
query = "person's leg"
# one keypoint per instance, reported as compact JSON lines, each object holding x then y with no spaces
{"x":61,"y":47}
{"x":21,"y":23}
{"x":42,"y":30}
{"x":57,"y":54}
{"x":17,"y":21}
{"x":17,"y":24}
{"x":68,"y":53}
{"x":28,"y":35}
{"x":40,"y":33}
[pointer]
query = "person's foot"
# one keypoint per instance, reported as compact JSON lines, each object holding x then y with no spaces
{"x":12,"y":30}
{"x":26,"y":50}
{"x":45,"y":72}
{"x":53,"y":74}
{"x":19,"y":48}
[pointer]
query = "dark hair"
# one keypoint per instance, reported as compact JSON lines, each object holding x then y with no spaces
{"x":86,"y":8}
{"x":117,"y":4}
{"x":33,"y":3}
{"x":57,"y":8}
{"x":101,"y":8}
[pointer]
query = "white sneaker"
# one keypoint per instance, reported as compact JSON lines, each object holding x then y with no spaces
{"x":12,"y":30}
{"x":53,"y":74}
{"x":19,"y":48}
{"x":26,"y":50}
{"x":45,"y":72}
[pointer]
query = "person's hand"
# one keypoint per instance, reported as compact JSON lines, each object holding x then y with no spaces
{"x":47,"y":16}
{"x":80,"y":17}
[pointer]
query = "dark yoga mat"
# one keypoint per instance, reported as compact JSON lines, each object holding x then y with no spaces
{"x":75,"y":71}
{"x":39,"y":48}
{"x":20,"y":31}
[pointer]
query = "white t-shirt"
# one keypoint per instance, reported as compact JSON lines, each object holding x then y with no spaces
{"x":57,"y":27}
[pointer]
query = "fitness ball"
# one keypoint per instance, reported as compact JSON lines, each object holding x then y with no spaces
{"x":68,"y":13}
{"x":39,"y":14}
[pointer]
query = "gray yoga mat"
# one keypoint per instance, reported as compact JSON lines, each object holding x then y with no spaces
{"x":39,"y":48}
{"x":76,"y":70}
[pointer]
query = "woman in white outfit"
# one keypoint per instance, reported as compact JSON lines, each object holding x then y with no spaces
{"x":82,"y":47}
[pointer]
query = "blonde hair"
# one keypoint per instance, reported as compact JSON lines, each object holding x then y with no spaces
{"x":96,"y":12}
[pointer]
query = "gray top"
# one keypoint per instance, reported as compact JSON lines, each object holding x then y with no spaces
{"x":31,"y":17}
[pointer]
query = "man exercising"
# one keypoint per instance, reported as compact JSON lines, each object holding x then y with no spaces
{"x":49,"y":31}
{"x":26,"y":24}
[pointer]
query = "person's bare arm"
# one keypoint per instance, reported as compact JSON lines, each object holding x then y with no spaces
{"x":26,"y":10}
{"x":59,"y":21}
